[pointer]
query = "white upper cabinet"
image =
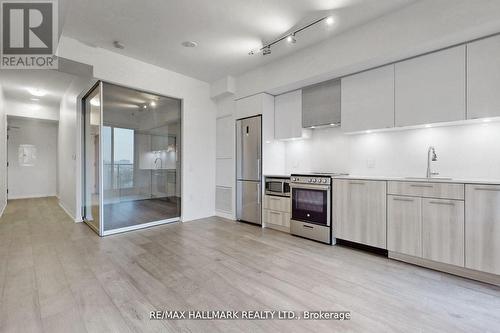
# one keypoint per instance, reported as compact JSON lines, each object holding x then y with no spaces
{"x":288,"y":116}
{"x":431,"y":88}
{"x":368,"y":100}
{"x":483,"y":78}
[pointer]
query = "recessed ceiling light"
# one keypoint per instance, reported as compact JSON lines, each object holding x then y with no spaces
{"x":368,"y":132}
{"x":291,"y":39}
{"x":37,"y":92}
{"x":35,"y":99}
{"x":189,"y":43}
{"x":428,"y":126}
{"x":118,"y":45}
{"x":145,"y":107}
{"x":153,"y":104}
{"x":487,"y":120}
{"x":329,"y":20}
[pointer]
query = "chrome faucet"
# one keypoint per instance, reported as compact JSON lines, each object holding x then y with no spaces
{"x":431,"y":157}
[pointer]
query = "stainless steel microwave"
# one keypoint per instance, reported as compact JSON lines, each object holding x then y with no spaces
{"x":278,"y":186}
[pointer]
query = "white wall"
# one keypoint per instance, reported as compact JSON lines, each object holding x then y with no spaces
{"x":424,"y":26}
{"x":466,"y":151}
{"x":68,"y":141}
{"x":3,"y":154}
{"x":39,"y":180}
{"x":19,"y":109}
{"x":198,"y":123}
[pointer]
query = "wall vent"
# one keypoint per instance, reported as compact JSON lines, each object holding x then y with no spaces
{"x":223,"y":199}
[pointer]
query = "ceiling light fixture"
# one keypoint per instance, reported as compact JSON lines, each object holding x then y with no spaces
{"x":118,"y":45}
{"x":189,"y":43}
{"x":37,"y":92}
{"x":153,"y":104}
{"x":145,"y":107}
{"x":290,"y":37}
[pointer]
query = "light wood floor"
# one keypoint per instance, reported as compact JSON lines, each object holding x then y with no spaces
{"x":58,"y":276}
{"x":129,"y":213}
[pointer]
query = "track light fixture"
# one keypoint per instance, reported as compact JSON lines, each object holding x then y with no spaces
{"x":290,"y":38}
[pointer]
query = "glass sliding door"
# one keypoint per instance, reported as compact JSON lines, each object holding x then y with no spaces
{"x":141,"y":159}
{"x":92,"y":189}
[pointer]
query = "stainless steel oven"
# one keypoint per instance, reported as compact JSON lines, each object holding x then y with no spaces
{"x":279,"y":186}
{"x":311,"y":207}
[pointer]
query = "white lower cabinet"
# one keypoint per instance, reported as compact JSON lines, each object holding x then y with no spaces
{"x":276,"y":212}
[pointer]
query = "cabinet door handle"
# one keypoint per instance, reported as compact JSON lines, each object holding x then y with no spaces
{"x":492,"y":189}
{"x":273,"y":198}
{"x":357,"y":183}
{"x":419,"y":185}
{"x":307,"y":226}
{"x":446,"y":203}
{"x":403,"y":199}
{"x":275,"y":213}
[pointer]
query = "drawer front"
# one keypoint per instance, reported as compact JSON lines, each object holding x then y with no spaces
{"x":276,"y":218}
{"x":427,"y":190}
{"x":280,"y":204}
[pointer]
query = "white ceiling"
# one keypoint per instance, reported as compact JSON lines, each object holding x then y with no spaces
{"x":225,"y":30}
{"x":15,"y":84}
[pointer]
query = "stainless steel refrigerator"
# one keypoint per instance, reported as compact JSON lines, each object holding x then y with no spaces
{"x":249,"y":169}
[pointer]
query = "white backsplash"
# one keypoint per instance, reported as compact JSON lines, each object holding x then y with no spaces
{"x":464,"y":151}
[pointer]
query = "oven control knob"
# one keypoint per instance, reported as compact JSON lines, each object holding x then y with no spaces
{"x":324,"y":180}
{"x":309,"y":180}
{"x":314,"y":180}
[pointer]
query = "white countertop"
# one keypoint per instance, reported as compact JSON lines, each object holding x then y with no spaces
{"x":425,"y":180}
{"x":409,"y":179}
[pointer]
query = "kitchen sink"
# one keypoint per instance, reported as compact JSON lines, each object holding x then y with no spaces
{"x":428,"y":179}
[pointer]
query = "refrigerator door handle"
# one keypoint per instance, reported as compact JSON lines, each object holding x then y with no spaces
{"x":258,"y":194}
{"x":258,"y":169}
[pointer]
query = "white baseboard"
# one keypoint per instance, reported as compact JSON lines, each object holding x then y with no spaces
{"x":31,"y":196}
{"x":68,"y":212}
{"x":225,"y":215}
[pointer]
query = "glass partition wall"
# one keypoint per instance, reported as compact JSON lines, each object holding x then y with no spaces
{"x":136,"y":144}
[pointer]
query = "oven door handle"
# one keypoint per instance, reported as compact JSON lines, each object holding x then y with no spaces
{"x":310,"y":186}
